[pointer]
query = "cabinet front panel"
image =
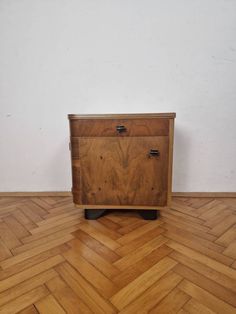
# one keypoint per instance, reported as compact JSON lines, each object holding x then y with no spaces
{"x":124,"y":170}
{"x":119,"y":127}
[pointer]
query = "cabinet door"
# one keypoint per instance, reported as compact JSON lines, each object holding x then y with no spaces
{"x":124,"y":171}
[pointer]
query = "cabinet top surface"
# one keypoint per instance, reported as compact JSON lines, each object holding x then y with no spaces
{"x":169,"y":115}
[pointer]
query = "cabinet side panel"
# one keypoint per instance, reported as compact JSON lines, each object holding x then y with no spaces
{"x":74,"y":147}
{"x":76,"y":181}
{"x":75,"y":168}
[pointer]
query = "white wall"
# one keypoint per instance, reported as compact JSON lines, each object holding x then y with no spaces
{"x":107,"y":56}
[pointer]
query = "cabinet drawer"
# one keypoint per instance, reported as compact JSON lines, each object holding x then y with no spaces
{"x":119,"y":127}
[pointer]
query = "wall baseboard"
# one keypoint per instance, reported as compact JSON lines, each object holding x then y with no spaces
{"x":204,"y":194}
{"x":32,"y":194}
{"x":68,"y":193}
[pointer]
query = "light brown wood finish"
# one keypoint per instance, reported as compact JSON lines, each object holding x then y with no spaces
{"x":111,"y":168}
{"x":103,"y":127}
{"x":182,"y":263}
{"x":168,"y":115}
{"x":118,"y":171}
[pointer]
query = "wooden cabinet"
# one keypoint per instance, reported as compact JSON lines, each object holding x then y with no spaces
{"x":122,"y":161}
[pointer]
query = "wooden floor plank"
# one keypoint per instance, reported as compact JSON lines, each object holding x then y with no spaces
{"x":109,"y":224}
{"x":132,"y":225}
{"x":14,"y":269}
{"x":104,"y":285}
{"x":133,"y":271}
{"x":67,"y":297}
{"x":5,"y":211}
{"x":23,"y":219}
{"x":57,"y":223}
{"x":202,"y":259}
{"x":183,"y":208}
{"x":139,"y":241}
{"x":182,"y":311}
{"x":104,"y":266}
{"x":217,"y":218}
{"x":234,"y":265}
{"x":231,"y":250}
{"x":212,"y":209}
{"x":84,"y":290}
{"x":18,"y":229}
{"x":99,"y":236}
{"x":198,"y":203}
{"x":37,"y":210}
{"x":204,"y":242}
{"x":226,"y":238}
{"x":49,"y":305}
{"x":170,"y":223}
{"x":61,"y":209}
{"x":24,"y":300}
{"x":140,"y":252}
{"x":142,"y":283}
{"x":194,"y":228}
{"x":40,"y":201}
{"x":184,"y":262}
{"x":8,"y":237}
{"x":199,"y":246}
{"x":138,"y":232}
{"x":224,"y":225}
{"x":35,"y":251}
{"x":68,"y":227}
{"x":44,"y":240}
{"x":154,"y":294}
{"x":208,"y":285}
{"x":172,"y":303}
{"x":194,"y":307}
{"x":206,"y":298}
{"x":183,"y":216}
{"x":51,"y":218}
{"x":113,"y":234}
{"x":4,"y":251}
{"x":205,"y":270}
{"x":29,"y":310}
{"x":109,"y":254}
{"x":26,"y":286}
{"x":28,"y":211}
{"x":30,"y":272}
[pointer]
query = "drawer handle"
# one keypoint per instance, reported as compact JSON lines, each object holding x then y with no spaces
{"x":121,"y":128}
{"x":154,"y":153}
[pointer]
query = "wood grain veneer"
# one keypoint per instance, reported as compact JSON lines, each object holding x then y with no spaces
{"x":116,"y":169}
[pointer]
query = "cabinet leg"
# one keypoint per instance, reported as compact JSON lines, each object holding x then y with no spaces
{"x":93,"y":214}
{"x":149,"y":214}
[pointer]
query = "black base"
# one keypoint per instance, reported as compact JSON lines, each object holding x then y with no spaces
{"x":93,"y":214}
{"x":149,"y":214}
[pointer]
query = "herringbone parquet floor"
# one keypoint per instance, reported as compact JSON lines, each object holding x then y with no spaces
{"x":54,"y":261}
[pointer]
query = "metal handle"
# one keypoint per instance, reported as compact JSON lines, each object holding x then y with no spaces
{"x":121,"y":128}
{"x":154,"y":153}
